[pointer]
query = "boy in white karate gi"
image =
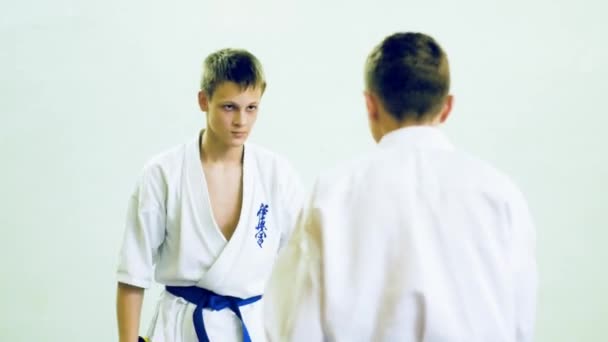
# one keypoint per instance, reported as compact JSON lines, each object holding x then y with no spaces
{"x":207,"y":218}
{"x":415,"y":241}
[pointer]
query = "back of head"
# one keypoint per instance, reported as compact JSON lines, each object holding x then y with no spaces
{"x":409,"y":72}
{"x":232,"y":65}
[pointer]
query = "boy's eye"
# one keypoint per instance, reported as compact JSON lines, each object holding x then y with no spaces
{"x":252,"y":108}
{"x":228,"y":107}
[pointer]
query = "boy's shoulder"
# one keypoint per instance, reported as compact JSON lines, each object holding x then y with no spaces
{"x":167,"y":158}
{"x":165,"y":164}
{"x":268,"y":159}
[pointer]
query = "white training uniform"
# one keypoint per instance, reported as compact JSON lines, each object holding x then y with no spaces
{"x":415,"y":241}
{"x":170,"y":225}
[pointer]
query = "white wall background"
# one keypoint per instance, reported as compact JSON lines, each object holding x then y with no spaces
{"x":90,"y":90}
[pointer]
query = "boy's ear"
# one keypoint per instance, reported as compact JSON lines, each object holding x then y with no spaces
{"x":371,"y":103}
{"x":447,"y":109}
{"x":203,"y":101}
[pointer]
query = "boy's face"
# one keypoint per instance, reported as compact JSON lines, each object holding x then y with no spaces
{"x":231,"y":112}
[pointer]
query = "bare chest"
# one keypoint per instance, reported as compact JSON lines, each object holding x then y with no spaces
{"x":225,"y":189}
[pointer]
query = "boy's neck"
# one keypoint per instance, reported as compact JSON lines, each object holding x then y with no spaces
{"x":213,"y":151}
{"x":390,"y":124}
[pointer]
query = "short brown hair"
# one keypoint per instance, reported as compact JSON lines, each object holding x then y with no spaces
{"x":410,"y":74}
{"x":234,"y":65}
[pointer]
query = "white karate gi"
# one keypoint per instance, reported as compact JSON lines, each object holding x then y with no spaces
{"x":170,"y":225}
{"x":415,"y":241}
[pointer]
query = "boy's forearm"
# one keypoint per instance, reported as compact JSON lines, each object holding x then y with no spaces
{"x":129,"y":300}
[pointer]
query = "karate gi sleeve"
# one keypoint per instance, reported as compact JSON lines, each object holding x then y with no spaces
{"x":293,"y":294}
{"x":524,"y":268}
{"x":292,"y":197}
{"x":144,"y":229}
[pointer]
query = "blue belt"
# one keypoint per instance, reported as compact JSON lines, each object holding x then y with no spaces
{"x":205,"y":299}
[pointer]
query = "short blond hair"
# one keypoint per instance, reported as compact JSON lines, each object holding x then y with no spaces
{"x":234,"y":65}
